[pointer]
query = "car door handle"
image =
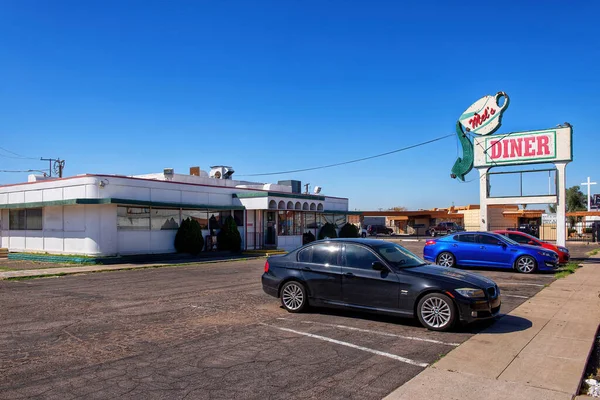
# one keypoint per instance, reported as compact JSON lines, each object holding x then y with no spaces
{"x":454,"y":245}
{"x":482,"y":247}
{"x":307,"y":269}
{"x":349,"y":274}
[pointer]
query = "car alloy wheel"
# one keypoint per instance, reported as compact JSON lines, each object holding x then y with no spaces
{"x":436,"y":312}
{"x":526,"y":264}
{"x":445,"y":259}
{"x":293,"y":296}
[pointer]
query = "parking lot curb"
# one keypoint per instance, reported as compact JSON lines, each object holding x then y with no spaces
{"x":538,"y":351}
{"x":61,"y":271}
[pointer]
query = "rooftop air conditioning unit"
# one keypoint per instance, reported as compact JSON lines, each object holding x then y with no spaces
{"x":221,"y":172}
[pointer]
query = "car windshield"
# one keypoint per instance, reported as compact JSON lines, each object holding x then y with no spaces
{"x":399,"y":257}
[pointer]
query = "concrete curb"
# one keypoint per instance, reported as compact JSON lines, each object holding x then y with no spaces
{"x":61,"y":271}
{"x":538,"y":351}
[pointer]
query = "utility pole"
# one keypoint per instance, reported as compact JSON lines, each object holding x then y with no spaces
{"x":589,"y":190}
{"x":307,"y":185}
{"x":59,"y":166}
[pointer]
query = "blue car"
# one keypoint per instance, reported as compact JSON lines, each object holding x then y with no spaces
{"x":484,"y":249}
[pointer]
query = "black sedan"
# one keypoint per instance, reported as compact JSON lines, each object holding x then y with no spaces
{"x":381,"y":277}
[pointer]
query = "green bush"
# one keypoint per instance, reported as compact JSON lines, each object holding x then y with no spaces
{"x":189,"y":237}
{"x":308,"y":237}
{"x":349,"y":231}
{"x":328,"y":231}
{"x":229,"y":237}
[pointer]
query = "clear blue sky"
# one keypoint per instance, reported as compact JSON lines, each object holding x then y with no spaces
{"x":132,"y":87}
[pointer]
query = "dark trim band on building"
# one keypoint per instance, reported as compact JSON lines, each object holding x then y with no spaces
{"x":128,"y":202}
{"x":278,"y":194}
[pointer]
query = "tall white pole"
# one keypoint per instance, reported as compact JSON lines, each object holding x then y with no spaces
{"x":589,"y":192}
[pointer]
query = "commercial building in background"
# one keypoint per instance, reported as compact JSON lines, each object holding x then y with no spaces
{"x":106,"y":215}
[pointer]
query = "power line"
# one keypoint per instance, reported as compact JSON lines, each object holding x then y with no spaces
{"x":21,"y":171}
{"x":17,"y":155}
{"x":352,"y":161}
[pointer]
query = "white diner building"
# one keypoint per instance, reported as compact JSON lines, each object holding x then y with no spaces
{"x":108,"y":215}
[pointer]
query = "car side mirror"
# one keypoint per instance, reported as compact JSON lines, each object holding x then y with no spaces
{"x":501,"y":243}
{"x":378,"y":266}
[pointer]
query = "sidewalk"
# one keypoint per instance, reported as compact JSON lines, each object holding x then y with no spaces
{"x":538,"y":351}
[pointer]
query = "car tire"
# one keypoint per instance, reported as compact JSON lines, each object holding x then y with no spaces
{"x":446,"y":259}
{"x":293,"y":297}
{"x":432,"y":233}
{"x":436,"y":312}
{"x":363,"y":235}
{"x":526,"y":265}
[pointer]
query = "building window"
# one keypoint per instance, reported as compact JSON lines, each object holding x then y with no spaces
{"x":285,"y":223}
{"x":133,"y":218}
{"x":28,"y":219}
{"x":339,"y":220}
{"x":298,"y":228}
{"x":200,"y":216}
{"x":164,"y":219}
{"x":238,"y":215}
{"x":310,"y":221}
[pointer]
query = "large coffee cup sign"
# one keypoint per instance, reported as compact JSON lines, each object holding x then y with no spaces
{"x":485,"y":115}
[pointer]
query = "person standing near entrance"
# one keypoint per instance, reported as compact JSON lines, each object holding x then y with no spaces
{"x":596,"y":231}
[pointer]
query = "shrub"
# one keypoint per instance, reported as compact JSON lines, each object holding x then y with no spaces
{"x":229,"y":237}
{"x":349,"y":231}
{"x":308,"y":237}
{"x":189,"y":237}
{"x":328,"y":231}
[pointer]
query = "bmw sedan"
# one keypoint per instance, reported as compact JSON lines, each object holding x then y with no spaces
{"x":485,"y":249}
{"x":381,"y":277}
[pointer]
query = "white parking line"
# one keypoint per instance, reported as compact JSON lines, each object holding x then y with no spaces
{"x":520,"y":283}
{"x":514,"y":295}
{"x":351,"y":328}
{"x":368,"y":350}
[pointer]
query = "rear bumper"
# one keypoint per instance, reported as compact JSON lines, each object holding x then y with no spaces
{"x":476,"y":310}
{"x":270,"y":285}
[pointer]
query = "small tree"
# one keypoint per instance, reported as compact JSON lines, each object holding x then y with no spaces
{"x":308,"y":237}
{"x":328,"y":231}
{"x":229,"y":237}
{"x":189,"y":237}
{"x":349,"y":231}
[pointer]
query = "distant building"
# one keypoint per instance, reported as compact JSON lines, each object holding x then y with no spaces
{"x":105,"y":215}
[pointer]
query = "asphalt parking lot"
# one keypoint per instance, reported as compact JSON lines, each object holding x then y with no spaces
{"x":208,"y":332}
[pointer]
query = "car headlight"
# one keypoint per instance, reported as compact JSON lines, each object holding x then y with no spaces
{"x":470,"y":292}
{"x":563,"y":249}
{"x":545,"y":253}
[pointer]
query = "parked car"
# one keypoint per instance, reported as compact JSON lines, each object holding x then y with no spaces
{"x":444,"y":228}
{"x":524,"y":238}
{"x":382,"y":277}
{"x":379,"y":230}
{"x":530,"y":229}
{"x":485,"y":249}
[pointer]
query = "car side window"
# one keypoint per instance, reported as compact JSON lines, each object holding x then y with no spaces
{"x":469,"y":238}
{"x":326,"y":253}
{"x":487,"y":239}
{"x":359,"y":257}
{"x":518,"y":238}
{"x":305,"y":255}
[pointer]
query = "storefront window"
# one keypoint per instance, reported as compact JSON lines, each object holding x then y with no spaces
{"x":339,"y":220}
{"x":164,"y":219}
{"x":298,"y":226}
{"x":238,"y":215}
{"x":329,"y":218}
{"x":310,"y":221}
{"x":29,"y":219}
{"x":133,"y":218}
{"x":198,"y":215}
{"x":285,"y":223}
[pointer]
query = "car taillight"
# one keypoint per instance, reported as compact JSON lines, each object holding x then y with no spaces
{"x":267,"y":266}
{"x":430,"y":242}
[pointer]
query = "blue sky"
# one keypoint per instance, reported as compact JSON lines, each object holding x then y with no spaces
{"x":132,"y":87}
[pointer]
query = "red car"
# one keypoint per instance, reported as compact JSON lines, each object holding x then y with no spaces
{"x":524,"y":238}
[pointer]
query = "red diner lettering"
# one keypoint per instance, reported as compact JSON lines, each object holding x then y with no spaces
{"x":515,"y":147}
{"x":496,"y":149}
{"x":529,"y":150}
{"x":505,"y":148}
{"x":543,"y":147}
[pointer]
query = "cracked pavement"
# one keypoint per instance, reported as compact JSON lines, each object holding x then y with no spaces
{"x":198,"y":332}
